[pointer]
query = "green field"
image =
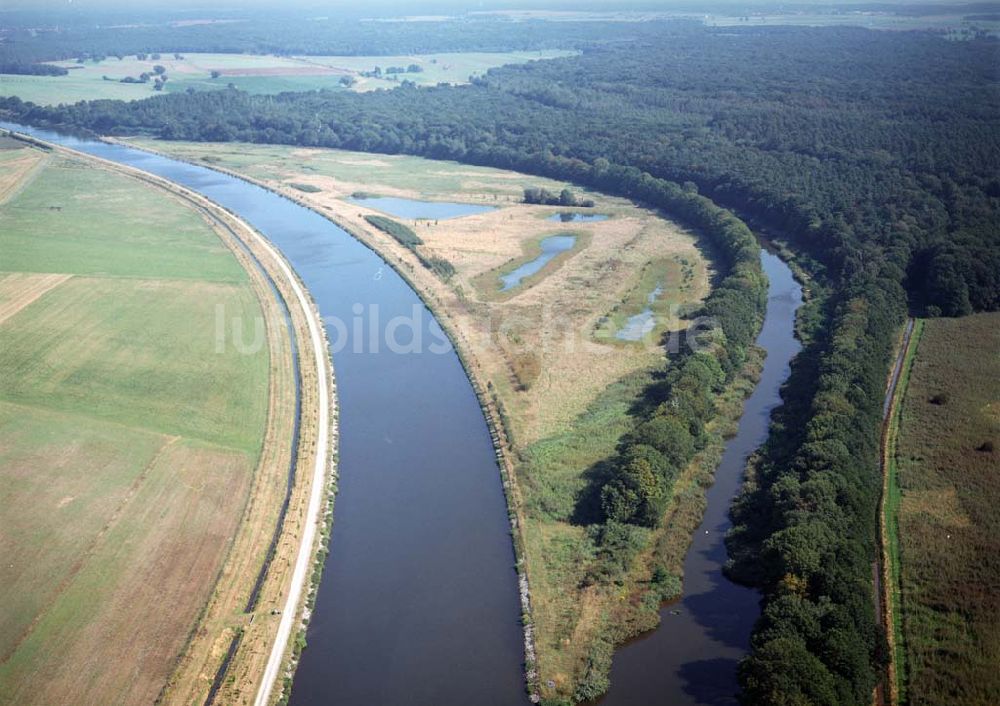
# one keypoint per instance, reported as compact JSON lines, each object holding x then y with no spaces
{"x":948,"y":472}
{"x":129,"y":435}
{"x":253,"y":73}
{"x":344,"y":172}
{"x":149,"y":236}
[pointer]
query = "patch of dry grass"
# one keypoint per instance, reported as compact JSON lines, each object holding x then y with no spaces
{"x":19,"y":289}
{"x":949,"y":530}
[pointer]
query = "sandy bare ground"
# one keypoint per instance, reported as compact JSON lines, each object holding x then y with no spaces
{"x":19,"y":289}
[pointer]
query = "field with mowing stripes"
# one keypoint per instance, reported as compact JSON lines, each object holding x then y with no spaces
{"x":130,"y":437}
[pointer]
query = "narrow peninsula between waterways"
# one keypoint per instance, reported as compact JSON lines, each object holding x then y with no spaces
{"x":247,"y":636}
{"x":576,"y":562}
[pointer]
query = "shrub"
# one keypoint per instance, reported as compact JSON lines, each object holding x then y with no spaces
{"x":401,"y":233}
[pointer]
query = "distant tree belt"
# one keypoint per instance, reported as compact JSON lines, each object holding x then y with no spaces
{"x":875,"y":154}
{"x":13,"y":67}
{"x":147,"y":31}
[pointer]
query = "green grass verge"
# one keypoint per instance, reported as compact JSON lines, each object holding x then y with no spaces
{"x":892,"y":506}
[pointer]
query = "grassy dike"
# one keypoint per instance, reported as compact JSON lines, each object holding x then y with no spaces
{"x":239,"y":650}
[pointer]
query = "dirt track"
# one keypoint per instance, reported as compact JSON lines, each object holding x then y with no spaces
{"x":887,"y":694}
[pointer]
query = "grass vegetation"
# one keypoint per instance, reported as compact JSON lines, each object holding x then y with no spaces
{"x":891,"y":505}
{"x":345,"y":173}
{"x":665,"y":305}
{"x":580,"y":615}
{"x":411,"y":241}
{"x":151,"y":239}
{"x":251,"y":72}
{"x":948,"y":530}
{"x":130,"y":439}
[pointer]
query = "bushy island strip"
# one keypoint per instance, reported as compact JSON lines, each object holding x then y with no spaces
{"x":410,"y":240}
{"x":626,"y":502}
{"x":806,"y":523}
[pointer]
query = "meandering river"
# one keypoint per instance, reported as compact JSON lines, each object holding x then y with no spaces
{"x":418,"y":603}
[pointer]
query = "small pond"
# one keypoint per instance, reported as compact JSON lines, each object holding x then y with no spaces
{"x":640,"y":324}
{"x":551,"y":246}
{"x":567,"y":217}
{"x":426,"y":210}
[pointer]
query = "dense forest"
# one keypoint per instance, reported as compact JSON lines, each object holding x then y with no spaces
{"x":874,"y":155}
{"x":289,"y":32}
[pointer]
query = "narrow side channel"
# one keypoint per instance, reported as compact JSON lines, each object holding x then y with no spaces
{"x":691,"y":658}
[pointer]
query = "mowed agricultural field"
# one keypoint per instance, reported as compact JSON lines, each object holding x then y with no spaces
{"x":546,"y":349}
{"x":249,"y":72}
{"x":948,"y":460}
{"x":128,"y":439}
